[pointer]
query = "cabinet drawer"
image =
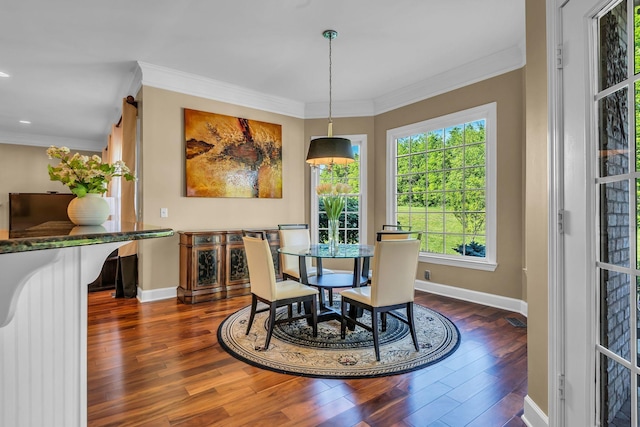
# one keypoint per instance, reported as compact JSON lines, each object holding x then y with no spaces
{"x":207,"y":239}
{"x":234,"y":237}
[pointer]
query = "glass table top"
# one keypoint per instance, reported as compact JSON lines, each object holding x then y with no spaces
{"x":322,"y":251}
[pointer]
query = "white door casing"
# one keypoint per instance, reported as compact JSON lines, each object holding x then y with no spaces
{"x":574,"y":283}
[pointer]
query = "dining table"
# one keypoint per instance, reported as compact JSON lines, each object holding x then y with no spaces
{"x":361,"y":255}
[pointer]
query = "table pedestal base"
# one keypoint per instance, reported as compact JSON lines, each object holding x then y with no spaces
{"x":335,"y":281}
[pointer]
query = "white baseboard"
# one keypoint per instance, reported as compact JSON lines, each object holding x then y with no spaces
{"x":509,"y":304}
{"x":505,"y":303}
{"x":533,"y":415}
{"x":157,"y":294}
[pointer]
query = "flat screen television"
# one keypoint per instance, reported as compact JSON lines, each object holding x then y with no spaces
{"x":30,"y":209}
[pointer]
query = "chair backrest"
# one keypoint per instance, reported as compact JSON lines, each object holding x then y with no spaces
{"x":255,"y":233}
{"x":292,"y":226}
{"x":394,"y":234}
{"x":394,"y":271}
{"x":262,"y":275}
{"x":396,"y":227}
{"x":294,"y":237}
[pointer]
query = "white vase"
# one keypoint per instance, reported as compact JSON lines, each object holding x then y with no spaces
{"x":92,"y":209}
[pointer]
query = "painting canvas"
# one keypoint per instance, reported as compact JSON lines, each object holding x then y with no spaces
{"x":231,"y":156}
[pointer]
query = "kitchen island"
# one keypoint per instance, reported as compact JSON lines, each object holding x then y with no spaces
{"x":44,"y":275}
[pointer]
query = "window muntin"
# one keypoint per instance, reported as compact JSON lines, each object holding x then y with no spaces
{"x":442,"y":182}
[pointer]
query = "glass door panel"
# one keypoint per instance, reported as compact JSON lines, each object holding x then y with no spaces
{"x":616,"y":399}
{"x":615,"y":324}
{"x":613,"y":153}
{"x":617,"y":175}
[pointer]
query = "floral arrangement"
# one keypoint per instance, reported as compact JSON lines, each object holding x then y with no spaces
{"x":84,"y":174}
{"x":332,"y":196}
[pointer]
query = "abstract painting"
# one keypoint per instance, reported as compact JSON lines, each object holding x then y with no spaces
{"x":231,"y":156}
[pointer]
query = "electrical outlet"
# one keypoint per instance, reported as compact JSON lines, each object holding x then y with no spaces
{"x":164,"y":213}
{"x":427,"y":275}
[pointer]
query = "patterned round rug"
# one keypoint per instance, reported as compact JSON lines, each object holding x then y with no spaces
{"x":294,"y":350}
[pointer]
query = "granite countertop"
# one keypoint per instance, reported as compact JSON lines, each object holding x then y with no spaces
{"x":63,"y":234}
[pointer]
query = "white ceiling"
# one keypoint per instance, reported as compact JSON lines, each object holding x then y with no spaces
{"x":72,"y":61}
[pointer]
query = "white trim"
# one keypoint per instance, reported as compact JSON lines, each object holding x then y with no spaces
{"x":464,"y":75}
{"x":35,"y":140}
{"x":320,"y":110}
{"x":191,"y":84}
{"x":135,"y":84}
{"x":533,"y":415}
{"x":555,"y":285}
{"x":157,"y":294}
{"x":489,"y":113}
{"x":463,"y":262}
{"x":491,"y":300}
{"x":472,"y":72}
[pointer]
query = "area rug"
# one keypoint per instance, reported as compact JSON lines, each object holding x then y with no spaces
{"x":294,"y":350}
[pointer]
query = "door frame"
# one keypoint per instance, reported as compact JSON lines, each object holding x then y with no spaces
{"x":555,"y":288}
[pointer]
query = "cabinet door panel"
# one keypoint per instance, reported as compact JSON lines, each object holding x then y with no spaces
{"x":237,"y":270}
{"x":208,"y":264}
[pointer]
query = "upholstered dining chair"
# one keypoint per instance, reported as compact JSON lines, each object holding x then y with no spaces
{"x":392,"y":232}
{"x":392,"y":288}
{"x":264,"y":288}
{"x":298,"y":235}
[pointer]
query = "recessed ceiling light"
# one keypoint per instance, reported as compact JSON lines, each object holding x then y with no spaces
{"x":3,"y":74}
{"x":25,"y":122}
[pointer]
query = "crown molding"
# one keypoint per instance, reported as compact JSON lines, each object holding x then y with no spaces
{"x":191,"y":84}
{"x":319,"y":110}
{"x":36,"y":140}
{"x":135,"y":84}
{"x":469,"y":73}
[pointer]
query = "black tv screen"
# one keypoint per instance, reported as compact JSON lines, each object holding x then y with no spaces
{"x":30,"y":209}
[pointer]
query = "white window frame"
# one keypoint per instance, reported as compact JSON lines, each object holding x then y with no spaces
{"x":488,"y":113}
{"x":361,"y":141}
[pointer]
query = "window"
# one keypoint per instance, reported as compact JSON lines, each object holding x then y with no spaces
{"x":352,"y":221}
{"x":441,"y":181}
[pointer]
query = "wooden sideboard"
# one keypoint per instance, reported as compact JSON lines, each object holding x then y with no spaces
{"x":213,"y":264}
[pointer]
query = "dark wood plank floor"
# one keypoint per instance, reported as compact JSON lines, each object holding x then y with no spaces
{"x":159,"y":364}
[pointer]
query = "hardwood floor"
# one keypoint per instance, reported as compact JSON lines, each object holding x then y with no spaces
{"x":159,"y":364}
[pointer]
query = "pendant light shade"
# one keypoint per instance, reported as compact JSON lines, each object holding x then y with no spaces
{"x":330,"y":150}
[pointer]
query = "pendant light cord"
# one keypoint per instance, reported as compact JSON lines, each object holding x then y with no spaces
{"x":330,"y":34}
{"x":330,"y":80}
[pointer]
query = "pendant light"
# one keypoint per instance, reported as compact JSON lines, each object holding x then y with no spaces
{"x":330,"y":150}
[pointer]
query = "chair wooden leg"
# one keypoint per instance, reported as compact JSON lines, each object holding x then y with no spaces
{"x":374,"y":329}
{"x":343,"y":319}
{"x":314,"y":315}
{"x":383,"y":318}
{"x":272,"y":322}
{"x":412,"y":327}
{"x":254,"y":304}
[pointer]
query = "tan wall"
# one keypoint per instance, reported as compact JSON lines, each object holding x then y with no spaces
{"x":536,"y":225}
{"x":23,"y":169}
{"x":507,"y":91}
{"x":163,"y":184}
